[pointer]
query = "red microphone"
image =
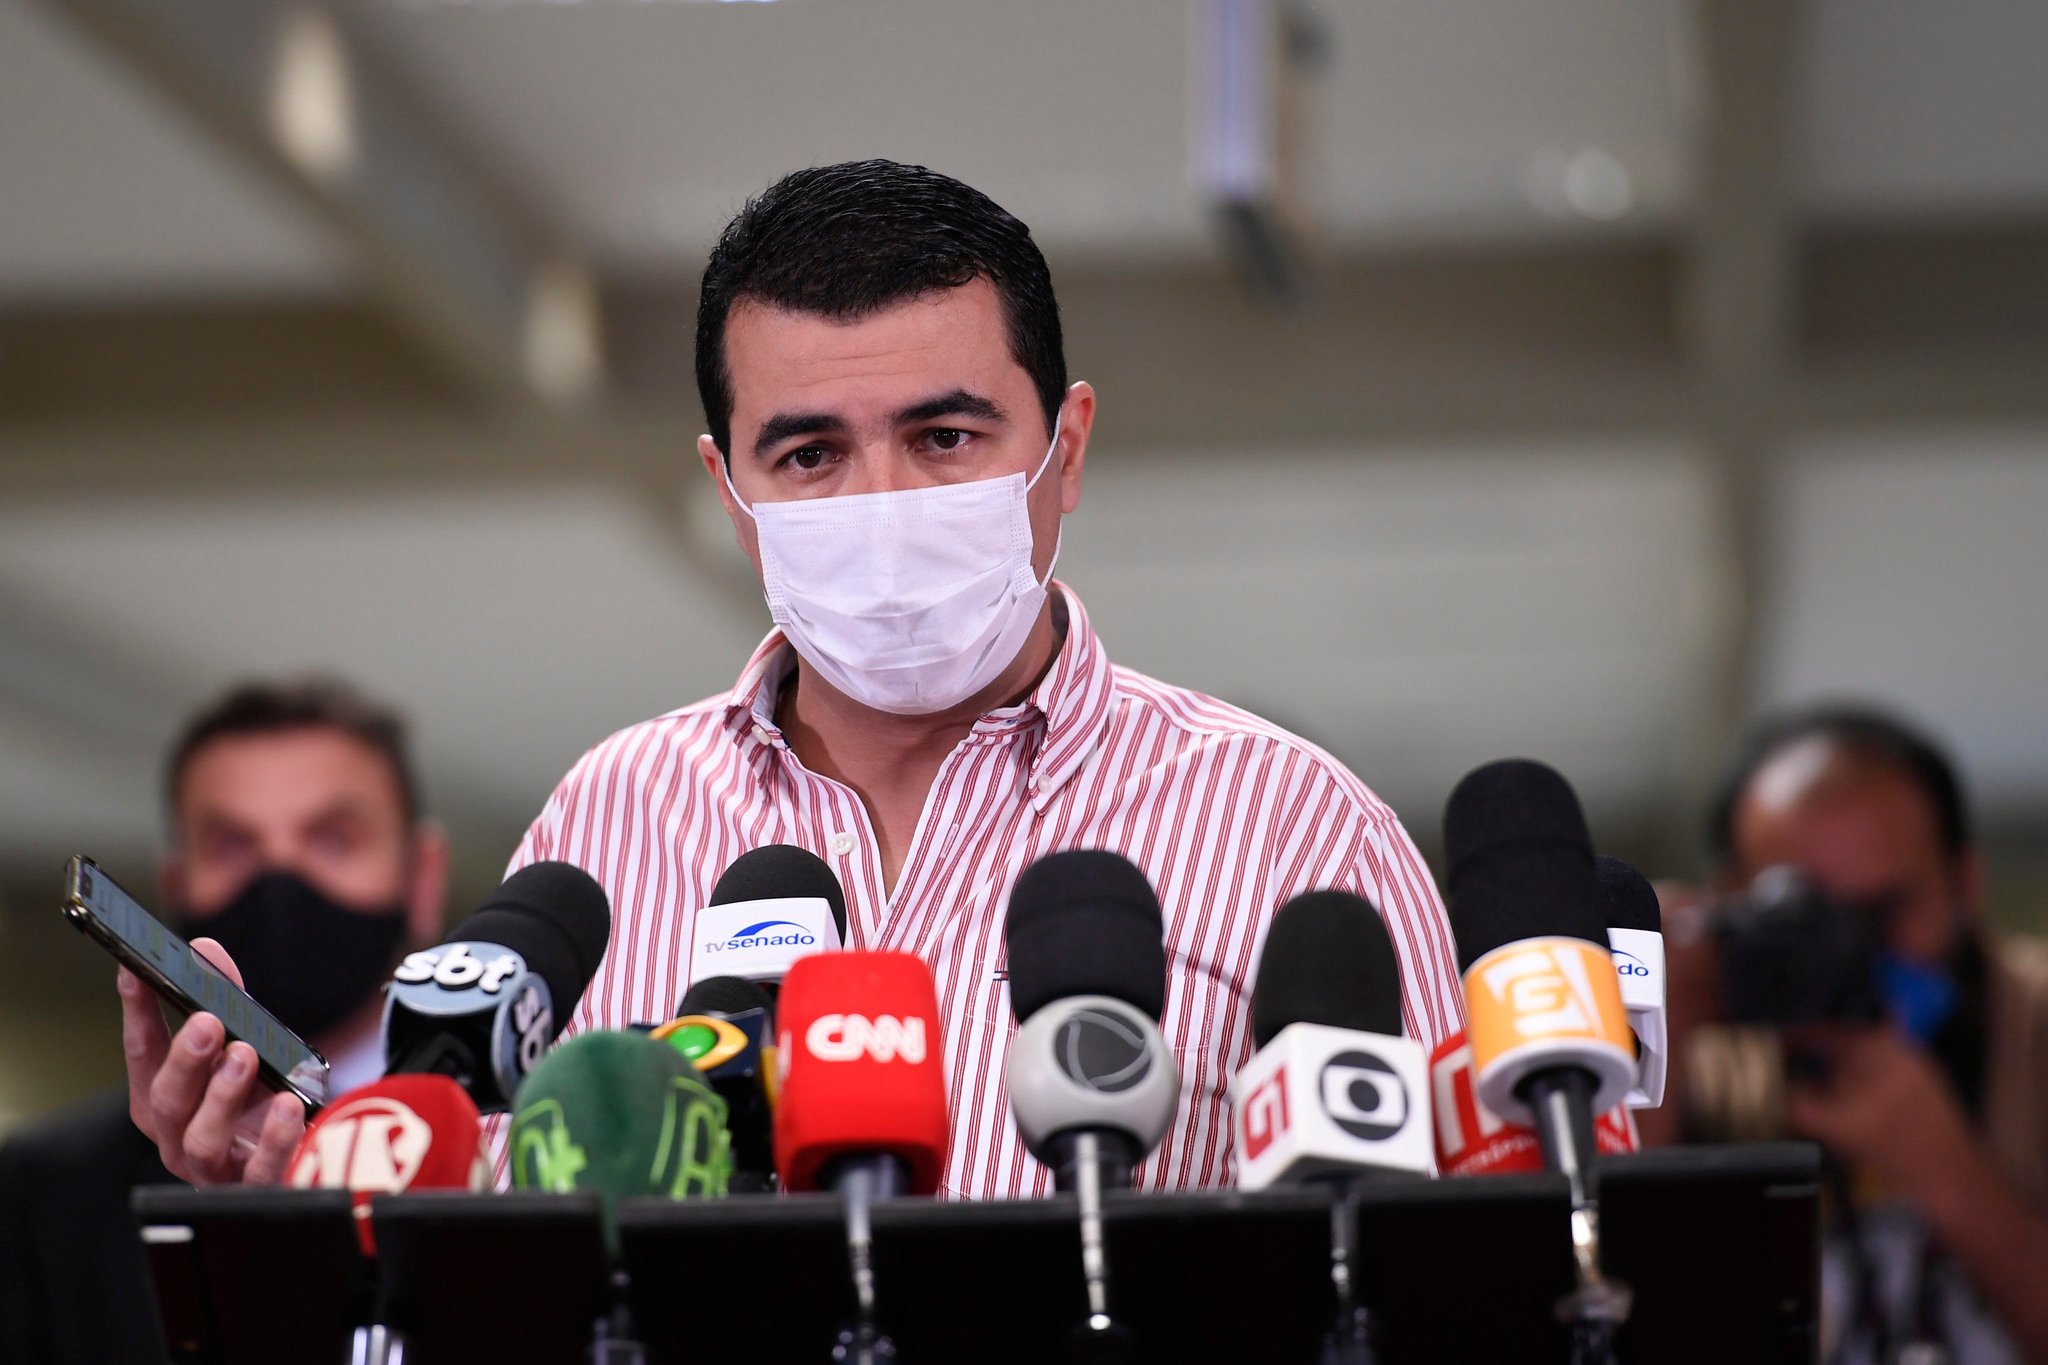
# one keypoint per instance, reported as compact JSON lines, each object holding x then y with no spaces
{"x":401,"y":1133}
{"x":1473,"y":1140}
{"x":863,"y":1083}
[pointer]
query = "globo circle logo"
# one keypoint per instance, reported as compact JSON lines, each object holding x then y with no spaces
{"x":1364,"y":1096}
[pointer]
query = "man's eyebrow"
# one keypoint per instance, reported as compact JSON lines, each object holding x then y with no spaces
{"x":958,"y":403}
{"x":784,"y":425}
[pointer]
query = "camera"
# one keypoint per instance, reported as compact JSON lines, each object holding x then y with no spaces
{"x":1790,"y":954}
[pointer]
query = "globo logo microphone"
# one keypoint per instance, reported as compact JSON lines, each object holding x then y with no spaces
{"x":1364,"y":1096}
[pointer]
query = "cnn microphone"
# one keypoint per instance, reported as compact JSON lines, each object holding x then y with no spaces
{"x":1550,"y":1039}
{"x":1334,"y":1091}
{"x":482,"y":1006}
{"x":400,"y":1133}
{"x":1635,"y":924}
{"x":725,"y":1027}
{"x":774,"y":905}
{"x":1092,"y":1084}
{"x":862,"y":1103}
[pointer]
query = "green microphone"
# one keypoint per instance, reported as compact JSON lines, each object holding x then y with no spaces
{"x":621,"y":1114}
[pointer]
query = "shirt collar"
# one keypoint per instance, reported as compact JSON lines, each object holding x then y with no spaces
{"x":1073,"y":698}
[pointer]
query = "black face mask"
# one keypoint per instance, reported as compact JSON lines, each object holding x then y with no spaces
{"x":306,"y":958}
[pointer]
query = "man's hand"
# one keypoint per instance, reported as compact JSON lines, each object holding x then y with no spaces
{"x":1883,"y":1107}
{"x":200,"y":1102}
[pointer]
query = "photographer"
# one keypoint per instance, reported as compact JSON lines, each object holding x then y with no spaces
{"x":1910,"y":1041}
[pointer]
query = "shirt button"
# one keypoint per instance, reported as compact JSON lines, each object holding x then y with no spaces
{"x":842,"y":844}
{"x":762,"y":736}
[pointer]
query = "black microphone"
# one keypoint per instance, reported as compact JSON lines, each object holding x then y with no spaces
{"x":1334,"y":1091}
{"x":775,"y":904}
{"x":483,"y":1005}
{"x":1092,"y":1084}
{"x":1549,"y":1035}
{"x":726,"y":1027}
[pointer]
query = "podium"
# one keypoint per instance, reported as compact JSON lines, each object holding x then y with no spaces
{"x":1720,"y":1244}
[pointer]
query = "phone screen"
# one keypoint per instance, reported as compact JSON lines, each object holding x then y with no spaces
{"x":119,"y":916}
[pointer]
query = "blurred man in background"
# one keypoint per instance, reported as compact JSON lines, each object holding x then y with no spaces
{"x":1938,"y":1116}
{"x":295,"y":842}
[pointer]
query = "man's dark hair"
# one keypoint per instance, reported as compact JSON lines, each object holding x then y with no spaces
{"x":315,"y":703}
{"x":1868,"y":733}
{"x":845,"y":241}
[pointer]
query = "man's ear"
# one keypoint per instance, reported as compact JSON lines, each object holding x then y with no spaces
{"x":1077,"y":420}
{"x":426,"y":893}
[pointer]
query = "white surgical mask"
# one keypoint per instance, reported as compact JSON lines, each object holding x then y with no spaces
{"x":908,"y":601}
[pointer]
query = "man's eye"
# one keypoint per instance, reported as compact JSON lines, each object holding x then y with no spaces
{"x":805,"y":458}
{"x":947,"y":438}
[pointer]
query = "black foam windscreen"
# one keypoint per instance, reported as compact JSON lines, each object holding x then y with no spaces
{"x":779,"y":872}
{"x":723,"y":995}
{"x":1519,"y":860}
{"x":1327,"y":960}
{"x":1085,"y":922}
{"x":556,"y":917}
{"x":1631,"y":900}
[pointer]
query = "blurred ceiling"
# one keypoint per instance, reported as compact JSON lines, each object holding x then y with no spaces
{"x":1600,"y":293}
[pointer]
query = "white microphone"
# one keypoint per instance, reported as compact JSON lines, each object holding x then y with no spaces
{"x":1635,"y":934}
{"x":1334,"y":1091}
{"x":775,"y":904}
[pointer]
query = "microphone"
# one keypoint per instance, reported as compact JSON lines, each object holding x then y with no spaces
{"x":400,"y":1133}
{"x":624,"y":1115}
{"x":775,"y":904}
{"x":1550,"y":1039}
{"x":726,"y":1028}
{"x":862,"y":1103}
{"x":1471,"y":1139}
{"x":1635,"y":925}
{"x":482,"y":1006}
{"x":1091,"y":1080}
{"x":862,"y":1082}
{"x":1093,"y":1086}
{"x":1334,"y":1091}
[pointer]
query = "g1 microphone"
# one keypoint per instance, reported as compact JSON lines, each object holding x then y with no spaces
{"x":482,"y":1006}
{"x":400,"y":1133}
{"x":1542,"y":998}
{"x":1334,"y":1090}
{"x":725,"y":1028}
{"x":621,"y":1114}
{"x":1471,"y":1139}
{"x":1635,"y":925}
{"x":774,"y":905}
{"x":1089,"y":1076}
{"x":863,"y":1084}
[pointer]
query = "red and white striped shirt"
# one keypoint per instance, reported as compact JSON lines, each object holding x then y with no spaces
{"x":1227,"y":815}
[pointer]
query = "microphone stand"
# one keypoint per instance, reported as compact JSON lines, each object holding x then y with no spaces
{"x":615,"y":1340}
{"x":1562,"y":1101}
{"x":1084,"y":1161}
{"x":860,"y":1181}
{"x":1350,"y":1341}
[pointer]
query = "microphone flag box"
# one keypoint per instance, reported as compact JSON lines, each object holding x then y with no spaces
{"x":1321,"y":1101}
{"x":1639,"y":959}
{"x":759,"y":940}
{"x":1473,"y":1140}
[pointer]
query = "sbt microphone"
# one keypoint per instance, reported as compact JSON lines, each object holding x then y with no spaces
{"x":1334,"y":1091}
{"x":483,"y":1006}
{"x":774,"y":905}
{"x":622,"y":1114}
{"x":1091,"y":1080}
{"x":1635,"y":924}
{"x":725,"y":1027}
{"x":400,"y":1133}
{"x":862,"y":1095}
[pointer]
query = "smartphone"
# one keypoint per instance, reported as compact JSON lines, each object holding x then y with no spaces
{"x":98,"y":907}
